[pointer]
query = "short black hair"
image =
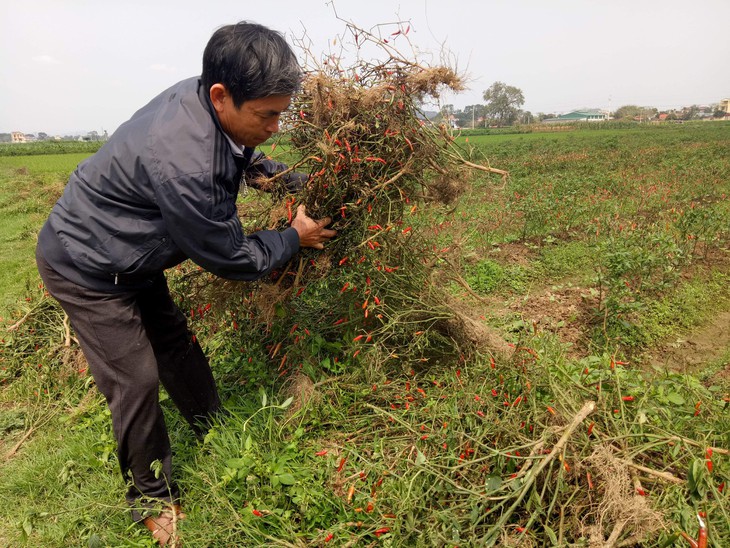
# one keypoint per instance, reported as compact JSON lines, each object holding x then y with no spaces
{"x":251,"y":61}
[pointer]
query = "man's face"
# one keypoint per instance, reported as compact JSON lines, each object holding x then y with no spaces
{"x":255,"y":121}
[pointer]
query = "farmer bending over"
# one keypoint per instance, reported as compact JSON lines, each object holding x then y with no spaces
{"x":161,"y":190}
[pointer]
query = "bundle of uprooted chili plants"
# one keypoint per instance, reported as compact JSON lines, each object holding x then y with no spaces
{"x":374,"y":163}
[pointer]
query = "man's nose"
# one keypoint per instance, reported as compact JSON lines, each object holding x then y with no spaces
{"x":273,"y":127}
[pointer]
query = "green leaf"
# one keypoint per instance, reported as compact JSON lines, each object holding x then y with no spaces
{"x":675,"y":398}
{"x":287,"y":402}
{"x":248,"y":443}
{"x":695,"y":475}
{"x":264,"y":398}
{"x":287,"y":479}
{"x":552,"y":535}
{"x":420,"y":457}
{"x":236,"y":463}
{"x":493,"y":483}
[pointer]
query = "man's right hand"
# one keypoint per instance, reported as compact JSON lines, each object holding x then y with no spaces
{"x":312,"y":233}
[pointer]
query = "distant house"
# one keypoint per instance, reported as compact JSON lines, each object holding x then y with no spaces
{"x":18,"y":137}
{"x":585,"y":116}
{"x":724,"y":106}
{"x":589,"y":115}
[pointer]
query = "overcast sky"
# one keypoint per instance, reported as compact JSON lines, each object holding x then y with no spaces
{"x":68,"y":66}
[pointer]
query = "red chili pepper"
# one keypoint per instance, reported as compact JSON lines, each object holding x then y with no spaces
{"x":702,"y":534}
{"x":321,"y":453}
{"x":628,"y":398}
{"x":329,"y":537}
{"x":343,"y":260}
{"x":256,"y":513}
{"x":382,"y":531}
{"x":590,"y":428}
{"x":551,"y":410}
{"x":343,"y":460}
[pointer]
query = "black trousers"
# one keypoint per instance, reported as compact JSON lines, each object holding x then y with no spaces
{"x":132,"y":341}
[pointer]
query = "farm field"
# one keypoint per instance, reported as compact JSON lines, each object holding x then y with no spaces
{"x":588,"y":404}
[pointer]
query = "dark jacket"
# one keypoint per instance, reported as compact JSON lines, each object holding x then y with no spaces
{"x":162,"y":189}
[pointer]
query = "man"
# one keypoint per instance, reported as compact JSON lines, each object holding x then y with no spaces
{"x":161,"y":190}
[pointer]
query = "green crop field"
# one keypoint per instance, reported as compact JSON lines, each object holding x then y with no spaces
{"x":589,"y":400}
{"x":29,"y":185}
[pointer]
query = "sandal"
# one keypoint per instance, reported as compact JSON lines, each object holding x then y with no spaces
{"x":164,"y":526}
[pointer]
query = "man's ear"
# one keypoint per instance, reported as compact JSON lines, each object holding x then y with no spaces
{"x":218,"y":95}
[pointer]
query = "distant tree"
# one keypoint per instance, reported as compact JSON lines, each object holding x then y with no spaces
{"x":544,"y":116}
{"x":690,"y":113}
{"x":445,"y":112}
{"x":525,"y":117}
{"x":5,"y":137}
{"x":470,"y":115}
{"x":626,"y":112}
{"x":634,"y":112}
{"x":503,"y":103}
{"x":42,"y":136}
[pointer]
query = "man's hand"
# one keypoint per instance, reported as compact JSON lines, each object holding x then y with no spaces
{"x":312,"y":233}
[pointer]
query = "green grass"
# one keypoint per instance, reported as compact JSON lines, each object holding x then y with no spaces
{"x":29,"y":186}
{"x":401,"y":442}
